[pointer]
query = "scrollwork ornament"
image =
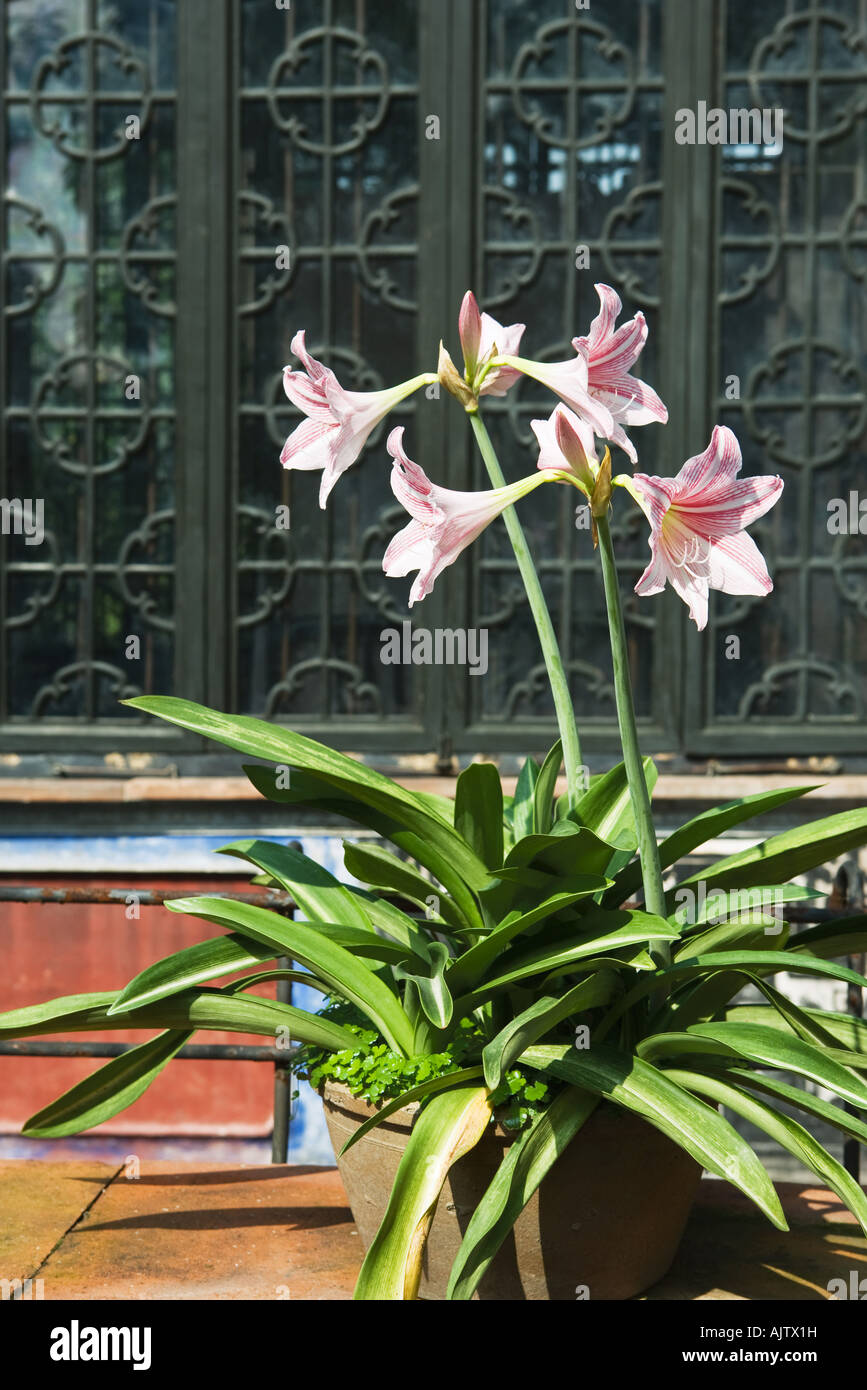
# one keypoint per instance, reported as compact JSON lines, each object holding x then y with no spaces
{"x":366,"y":60}
{"x":280,"y":277}
{"x":519,"y":215}
{"x":379,"y":220}
{"x":143,"y":602}
{"x":268,"y":602}
{"x":145,"y":225}
{"x":37,"y":290}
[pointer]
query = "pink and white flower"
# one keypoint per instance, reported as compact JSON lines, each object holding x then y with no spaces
{"x":480,"y":336}
{"x":338,"y":422}
{"x":567,"y":444}
{"x":697,"y":522}
{"x":609,"y":353}
{"x":570,"y":381}
{"x":444,"y":522}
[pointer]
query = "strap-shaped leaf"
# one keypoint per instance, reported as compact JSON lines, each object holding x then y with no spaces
{"x":524,"y":803}
{"x":469,"y":967}
{"x":697,"y":831}
{"x":801,"y":1099}
{"x":767,"y":1046}
{"x":108,"y":1090}
{"x":451,"y":1125}
{"x":207,"y":1008}
{"x":543,"y":1015}
{"x":850,"y":1032}
{"x":479,"y":812}
{"x":283,"y":746}
{"x":613,"y":930}
{"x":527,"y":1162}
{"x":381,"y":869}
{"x":718,"y":906}
{"x":634,"y":1084}
{"x":430,"y":985}
{"x":330,"y":962}
{"x":831,"y":940}
{"x":447,"y":1082}
{"x":787,"y":855}
{"x":543,"y":792}
{"x":788,"y":1134}
{"x":320,"y":896}
{"x":192,"y":966}
{"x":606,"y":806}
{"x":427,"y":850}
{"x":568,"y":849}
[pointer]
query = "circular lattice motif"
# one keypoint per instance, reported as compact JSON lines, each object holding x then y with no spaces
{"x":783,"y":60}
{"x":614,"y":98}
{"x":333,"y":108}
{"x":80,"y":115}
{"x":90,"y":391}
{"x":782,"y":386}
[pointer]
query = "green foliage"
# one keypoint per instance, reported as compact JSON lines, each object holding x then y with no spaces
{"x":488,"y":936}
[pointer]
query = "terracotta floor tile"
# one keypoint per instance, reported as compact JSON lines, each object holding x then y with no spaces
{"x":39,"y":1202}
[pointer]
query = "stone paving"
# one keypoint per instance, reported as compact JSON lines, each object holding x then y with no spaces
{"x":87,"y":1231}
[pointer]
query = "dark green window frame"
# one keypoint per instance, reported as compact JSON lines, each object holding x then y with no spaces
{"x":678,"y":54}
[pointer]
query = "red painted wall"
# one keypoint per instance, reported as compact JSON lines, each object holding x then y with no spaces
{"x":56,"y":949}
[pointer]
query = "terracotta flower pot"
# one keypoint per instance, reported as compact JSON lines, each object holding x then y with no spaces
{"x":607,"y":1219}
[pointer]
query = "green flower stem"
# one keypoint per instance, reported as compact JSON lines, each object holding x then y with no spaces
{"x":654,"y":893}
{"x":545,"y":628}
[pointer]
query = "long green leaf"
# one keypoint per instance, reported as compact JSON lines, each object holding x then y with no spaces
{"x":697,"y":831}
{"x":479,"y":812}
{"x":787,"y":1133}
{"x":635,"y":1085}
{"x":613,"y":931}
{"x":383,"y":870}
{"x":426,"y":850}
{"x":320,"y":896}
{"x":194,"y":965}
{"x":606,"y":807}
{"x":106,"y":1091}
{"x":543,"y":792}
{"x":767,"y":1046}
{"x":524,"y":803}
{"x":802,"y":1099}
{"x":787,"y":855}
{"x":211,"y":1009}
{"x":468,"y":968}
{"x":447,"y":1082}
{"x":537,"y":1020}
{"x":451,"y":1125}
{"x":328,"y":961}
{"x":527,"y":1162}
{"x":849,"y":1032}
{"x":718,"y":906}
{"x":284,"y":747}
{"x":430,"y":985}
{"x":844,"y":937}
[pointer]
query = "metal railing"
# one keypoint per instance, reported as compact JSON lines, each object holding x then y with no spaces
{"x":845,"y":900}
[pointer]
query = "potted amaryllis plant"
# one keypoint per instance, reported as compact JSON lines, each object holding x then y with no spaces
{"x":527,"y":1042}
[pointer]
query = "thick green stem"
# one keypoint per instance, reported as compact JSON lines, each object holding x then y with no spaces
{"x":654,"y":893}
{"x":575,"y":780}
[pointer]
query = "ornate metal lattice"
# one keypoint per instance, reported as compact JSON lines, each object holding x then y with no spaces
{"x":789,"y":326}
{"x":281,"y":174}
{"x":87,"y":357}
